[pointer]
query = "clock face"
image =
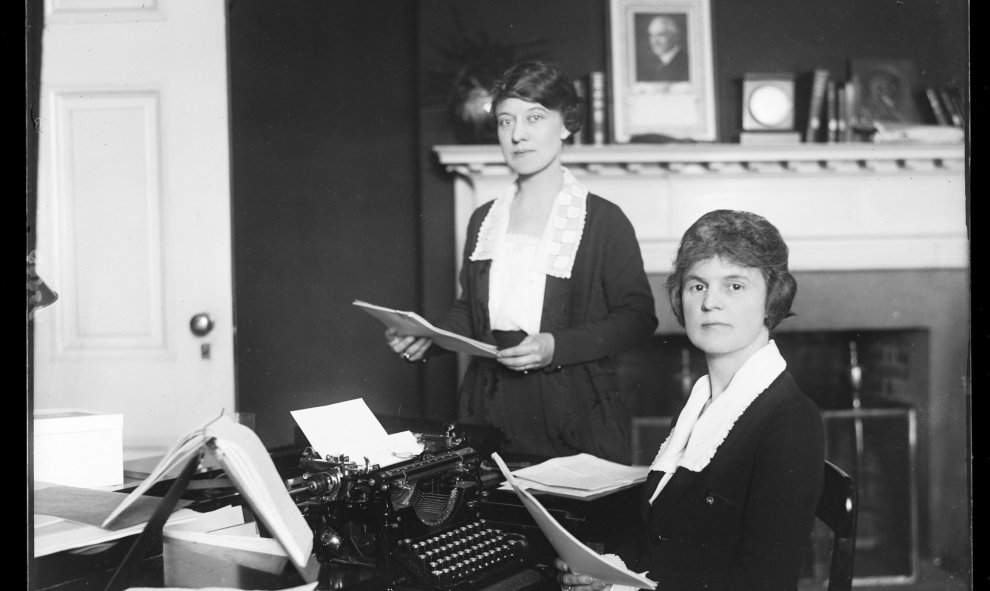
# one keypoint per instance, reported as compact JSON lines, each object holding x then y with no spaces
{"x":770,"y":106}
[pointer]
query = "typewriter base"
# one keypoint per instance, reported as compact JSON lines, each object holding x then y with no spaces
{"x":515,"y":577}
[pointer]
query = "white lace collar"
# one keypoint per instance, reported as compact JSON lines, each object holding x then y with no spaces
{"x":561,"y":237}
{"x":695,"y":439}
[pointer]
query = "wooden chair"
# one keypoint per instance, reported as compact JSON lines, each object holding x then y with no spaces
{"x":837,"y":508}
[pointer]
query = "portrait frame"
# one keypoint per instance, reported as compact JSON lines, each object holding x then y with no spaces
{"x":652,"y":99}
{"x":885,"y":90}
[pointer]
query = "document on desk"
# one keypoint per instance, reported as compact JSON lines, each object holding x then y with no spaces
{"x":580,"y":476}
{"x":412,"y":324}
{"x":249,"y":466}
{"x":56,"y":534}
{"x":220,"y":543}
{"x":224,"y":527}
{"x":571,"y":550}
{"x":350,"y":428}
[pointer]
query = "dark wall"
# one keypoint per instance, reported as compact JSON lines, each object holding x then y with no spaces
{"x":325,"y":211}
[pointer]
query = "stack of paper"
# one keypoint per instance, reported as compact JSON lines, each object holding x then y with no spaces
{"x":222,"y":542}
{"x":581,"y":476}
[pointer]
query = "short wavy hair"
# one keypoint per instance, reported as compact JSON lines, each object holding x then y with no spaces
{"x":746,"y":239}
{"x":543,"y":83}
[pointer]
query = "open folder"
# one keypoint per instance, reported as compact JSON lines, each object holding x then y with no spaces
{"x":571,"y":550}
{"x":247,"y":463}
{"x":412,"y":324}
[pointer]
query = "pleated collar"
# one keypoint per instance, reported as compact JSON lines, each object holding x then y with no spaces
{"x":561,"y":237}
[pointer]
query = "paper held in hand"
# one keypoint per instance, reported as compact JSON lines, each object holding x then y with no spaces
{"x":412,"y":324}
{"x":571,"y":550}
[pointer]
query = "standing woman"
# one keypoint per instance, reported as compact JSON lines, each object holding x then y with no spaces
{"x":730,"y":500}
{"x":553,"y":276}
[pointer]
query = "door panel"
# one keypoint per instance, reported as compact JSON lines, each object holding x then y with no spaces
{"x":134,"y":215}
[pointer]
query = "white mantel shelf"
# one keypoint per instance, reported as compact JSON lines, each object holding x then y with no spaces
{"x":839,"y":206}
{"x":702,"y":158}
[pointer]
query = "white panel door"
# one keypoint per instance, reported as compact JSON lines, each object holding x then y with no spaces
{"x":134,"y":215}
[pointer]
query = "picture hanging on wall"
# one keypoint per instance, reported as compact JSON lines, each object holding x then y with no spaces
{"x":662,"y":80}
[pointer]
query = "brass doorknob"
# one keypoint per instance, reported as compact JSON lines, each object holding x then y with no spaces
{"x":201,"y":324}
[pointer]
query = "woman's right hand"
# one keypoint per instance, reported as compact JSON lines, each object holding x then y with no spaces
{"x":572,"y":581}
{"x":412,"y":349}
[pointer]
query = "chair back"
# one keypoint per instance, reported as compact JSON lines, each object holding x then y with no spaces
{"x":837,"y":508}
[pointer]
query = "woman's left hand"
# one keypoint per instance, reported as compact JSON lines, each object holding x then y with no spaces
{"x":571,"y":581}
{"x":535,"y":351}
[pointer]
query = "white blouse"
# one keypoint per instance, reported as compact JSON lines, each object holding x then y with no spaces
{"x":520,"y":264}
{"x":515,"y":293}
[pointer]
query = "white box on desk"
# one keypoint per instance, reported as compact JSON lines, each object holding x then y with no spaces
{"x":74,"y":447}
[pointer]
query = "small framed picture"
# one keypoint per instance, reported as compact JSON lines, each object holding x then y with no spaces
{"x":885,"y":90}
{"x":662,"y":80}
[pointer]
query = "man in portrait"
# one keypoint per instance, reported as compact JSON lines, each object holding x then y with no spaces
{"x":883,"y":100}
{"x":663,"y":56}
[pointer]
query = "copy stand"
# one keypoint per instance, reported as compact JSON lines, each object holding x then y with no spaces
{"x":151,"y":535}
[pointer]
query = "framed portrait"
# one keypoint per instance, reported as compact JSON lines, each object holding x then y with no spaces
{"x":661,"y":78}
{"x":885,"y":90}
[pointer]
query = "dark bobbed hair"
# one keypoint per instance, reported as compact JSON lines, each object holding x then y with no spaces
{"x":747,"y":240}
{"x":543,"y":83}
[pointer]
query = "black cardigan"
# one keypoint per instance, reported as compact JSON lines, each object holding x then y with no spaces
{"x":744,"y":522}
{"x":605,"y":306}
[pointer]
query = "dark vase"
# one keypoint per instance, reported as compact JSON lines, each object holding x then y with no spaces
{"x":470,"y":104}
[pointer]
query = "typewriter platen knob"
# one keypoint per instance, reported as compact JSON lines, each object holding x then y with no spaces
{"x":330,"y":539}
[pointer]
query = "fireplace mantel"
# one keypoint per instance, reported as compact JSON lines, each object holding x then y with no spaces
{"x":839,"y":206}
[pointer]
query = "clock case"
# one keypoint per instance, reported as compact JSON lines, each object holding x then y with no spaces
{"x":768,"y":102}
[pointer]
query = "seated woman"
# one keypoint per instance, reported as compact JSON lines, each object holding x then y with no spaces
{"x":730,"y":498}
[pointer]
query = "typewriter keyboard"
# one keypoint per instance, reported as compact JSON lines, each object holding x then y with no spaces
{"x":459,"y":553}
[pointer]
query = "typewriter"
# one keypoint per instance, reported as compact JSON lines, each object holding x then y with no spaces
{"x":417,"y":523}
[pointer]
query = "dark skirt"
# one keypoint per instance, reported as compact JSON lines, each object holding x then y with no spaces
{"x":549,"y":412}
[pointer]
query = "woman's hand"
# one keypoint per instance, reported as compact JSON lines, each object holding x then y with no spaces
{"x":533,"y":352}
{"x":571,"y":581}
{"x":412,"y":349}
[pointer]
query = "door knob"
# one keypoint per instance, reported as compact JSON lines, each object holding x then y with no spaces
{"x":201,"y":324}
